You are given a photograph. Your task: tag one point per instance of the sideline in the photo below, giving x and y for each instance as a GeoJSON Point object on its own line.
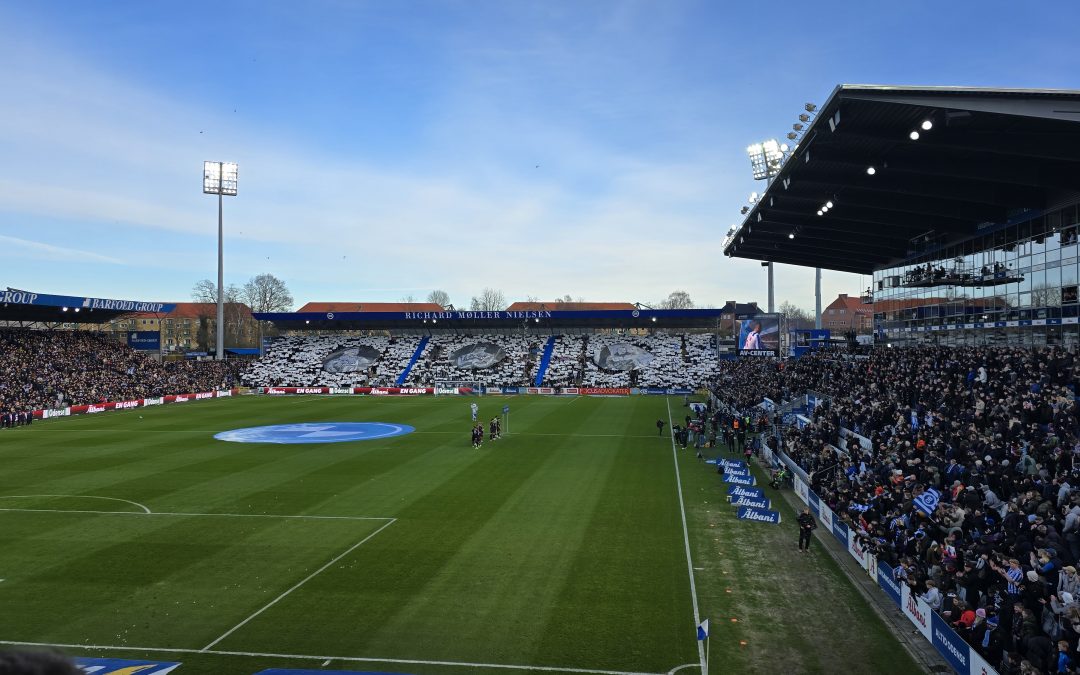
{"type": "Point", "coordinates": [686, 538]}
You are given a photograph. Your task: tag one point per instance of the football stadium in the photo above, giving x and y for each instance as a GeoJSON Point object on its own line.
{"type": "Point", "coordinates": [244, 484]}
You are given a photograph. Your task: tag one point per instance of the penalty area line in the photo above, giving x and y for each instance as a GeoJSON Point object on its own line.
{"type": "Point", "coordinates": [298, 585]}
{"type": "Point", "coordinates": [308, 657]}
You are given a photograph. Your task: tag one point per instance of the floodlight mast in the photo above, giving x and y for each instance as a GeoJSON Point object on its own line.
{"type": "Point", "coordinates": [212, 171]}
{"type": "Point", "coordinates": [766, 158]}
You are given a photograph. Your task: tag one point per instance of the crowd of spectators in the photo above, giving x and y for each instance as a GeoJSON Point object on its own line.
{"type": "Point", "coordinates": [42, 369]}
{"type": "Point", "coordinates": [995, 432]}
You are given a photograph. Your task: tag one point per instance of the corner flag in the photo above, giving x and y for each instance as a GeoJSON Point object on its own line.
{"type": "Point", "coordinates": [703, 630]}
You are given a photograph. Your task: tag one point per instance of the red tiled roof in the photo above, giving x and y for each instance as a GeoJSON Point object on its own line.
{"type": "Point", "coordinates": [568, 306]}
{"type": "Point", "coordinates": [321, 307]}
{"type": "Point", "coordinates": [856, 305]}
{"type": "Point", "coordinates": [188, 310]}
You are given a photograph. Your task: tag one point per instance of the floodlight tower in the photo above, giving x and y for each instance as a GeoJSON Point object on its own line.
{"type": "Point", "coordinates": [219, 178]}
{"type": "Point", "coordinates": [766, 158]}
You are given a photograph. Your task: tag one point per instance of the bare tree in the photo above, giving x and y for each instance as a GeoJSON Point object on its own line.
{"type": "Point", "coordinates": [489, 300]}
{"type": "Point", "coordinates": [239, 330]}
{"type": "Point", "coordinates": [1045, 295]}
{"type": "Point", "coordinates": [410, 298]}
{"type": "Point", "coordinates": [439, 297]}
{"type": "Point", "coordinates": [677, 300]}
{"type": "Point", "coordinates": [797, 317]}
{"type": "Point", "coordinates": [204, 291]}
{"type": "Point", "coordinates": [267, 293]}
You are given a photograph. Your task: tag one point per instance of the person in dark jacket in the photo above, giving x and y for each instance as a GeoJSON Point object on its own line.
{"type": "Point", "coordinates": [807, 525]}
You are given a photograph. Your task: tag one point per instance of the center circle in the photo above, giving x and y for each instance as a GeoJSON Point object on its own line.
{"type": "Point", "coordinates": [315, 432]}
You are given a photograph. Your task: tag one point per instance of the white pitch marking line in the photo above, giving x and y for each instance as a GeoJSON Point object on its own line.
{"type": "Point", "coordinates": [299, 584]}
{"type": "Point", "coordinates": [112, 499]}
{"type": "Point", "coordinates": [326, 663]}
{"type": "Point", "coordinates": [222, 515]}
{"type": "Point", "coordinates": [686, 538]}
{"type": "Point", "coordinates": [304, 657]}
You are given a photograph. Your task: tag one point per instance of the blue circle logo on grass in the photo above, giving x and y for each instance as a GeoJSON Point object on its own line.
{"type": "Point", "coordinates": [315, 432]}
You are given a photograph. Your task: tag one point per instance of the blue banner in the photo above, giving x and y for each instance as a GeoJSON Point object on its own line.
{"type": "Point", "coordinates": [642, 315]}
{"type": "Point", "coordinates": [749, 513]}
{"type": "Point", "coordinates": [949, 644]}
{"type": "Point", "coordinates": [144, 340]}
{"type": "Point", "coordinates": [125, 666]}
{"type": "Point", "coordinates": [736, 491]}
{"type": "Point", "coordinates": [16, 297]}
{"type": "Point", "coordinates": [885, 580]}
{"type": "Point", "coordinates": [753, 502]}
{"type": "Point", "coordinates": [748, 481]}
{"type": "Point", "coordinates": [511, 390]}
{"type": "Point", "coordinates": [734, 463]}
{"type": "Point", "coordinates": [732, 471]}
{"type": "Point", "coordinates": [815, 505]}
{"type": "Point", "coordinates": [839, 531]}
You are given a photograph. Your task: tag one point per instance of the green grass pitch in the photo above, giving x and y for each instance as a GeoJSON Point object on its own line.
{"type": "Point", "coordinates": [559, 548]}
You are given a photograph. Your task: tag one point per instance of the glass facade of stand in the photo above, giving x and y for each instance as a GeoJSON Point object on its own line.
{"type": "Point", "coordinates": [1013, 284]}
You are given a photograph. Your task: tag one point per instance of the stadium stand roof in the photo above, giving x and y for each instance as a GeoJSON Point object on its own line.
{"type": "Point", "coordinates": [191, 310]}
{"type": "Point", "coordinates": [504, 320]}
{"type": "Point", "coordinates": [323, 307]}
{"type": "Point", "coordinates": [990, 156]}
{"type": "Point", "coordinates": [17, 305]}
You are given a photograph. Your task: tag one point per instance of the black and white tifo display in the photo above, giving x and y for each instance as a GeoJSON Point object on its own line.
{"type": "Point", "coordinates": [351, 359]}
{"type": "Point", "coordinates": [622, 356]}
{"type": "Point", "coordinates": [477, 356]}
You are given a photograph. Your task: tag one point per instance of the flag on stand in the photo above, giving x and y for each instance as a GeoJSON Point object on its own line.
{"type": "Point", "coordinates": [703, 630]}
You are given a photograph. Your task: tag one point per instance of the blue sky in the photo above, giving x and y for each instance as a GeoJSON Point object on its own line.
{"type": "Point", "coordinates": [389, 148]}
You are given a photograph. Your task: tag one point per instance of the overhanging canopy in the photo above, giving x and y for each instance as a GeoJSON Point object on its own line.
{"type": "Point", "coordinates": [989, 156]}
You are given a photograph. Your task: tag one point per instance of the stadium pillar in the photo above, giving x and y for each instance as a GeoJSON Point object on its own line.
{"type": "Point", "coordinates": [817, 298]}
{"type": "Point", "coordinates": [772, 295]}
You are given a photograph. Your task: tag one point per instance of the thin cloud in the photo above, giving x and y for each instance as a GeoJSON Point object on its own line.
{"type": "Point", "coordinates": [42, 251]}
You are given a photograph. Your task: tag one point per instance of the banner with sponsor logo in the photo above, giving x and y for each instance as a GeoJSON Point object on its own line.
{"type": "Point", "coordinates": [374, 391]}
{"type": "Point", "coordinates": [144, 340]}
{"type": "Point", "coordinates": [748, 481]}
{"type": "Point", "coordinates": [856, 549]}
{"type": "Point", "coordinates": [94, 408]}
{"type": "Point", "coordinates": [917, 611]}
{"type": "Point", "coordinates": [603, 391]}
{"type": "Point", "coordinates": [825, 515]}
{"type": "Point", "coordinates": [802, 490]}
{"type": "Point", "coordinates": [736, 491]}
{"type": "Point", "coordinates": [760, 515]}
{"type": "Point", "coordinates": [124, 666]}
{"type": "Point", "coordinates": [570, 390]}
{"type": "Point", "coordinates": [887, 583]}
{"type": "Point", "coordinates": [493, 390]}
{"type": "Point", "coordinates": [511, 390]}
{"type": "Point", "coordinates": [753, 502]}
{"type": "Point", "coordinates": [732, 463]}
{"type": "Point", "coordinates": [547, 391]}
{"type": "Point", "coordinates": [950, 645]}
{"type": "Point", "coordinates": [839, 530]}
{"type": "Point", "coordinates": [733, 471]}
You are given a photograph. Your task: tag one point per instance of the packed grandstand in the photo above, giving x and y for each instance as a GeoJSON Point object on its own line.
{"type": "Point", "coordinates": [994, 431]}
